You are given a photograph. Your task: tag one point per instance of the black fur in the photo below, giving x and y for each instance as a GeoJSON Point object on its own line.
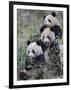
{"type": "Point", "coordinates": [54, 14]}
{"type": "Point", "coordinates": [38, 43]}
{"type": "Point", "coordinates": [43, 27]}
{"type": "Point", "coordinates": [44, 17]}
{"type": "Point", "coordinates": [54, 48]}
{"type": "Point", "coordinates": [57, 30]}
{"type": "Point", "coordinates": [40, 58]}
{"type": "Point", "coordinates": [43, 46]}
{"type": "Point", "coordinates": [28, 42]}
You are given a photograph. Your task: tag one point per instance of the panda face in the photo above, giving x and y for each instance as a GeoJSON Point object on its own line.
{"type": "Point", "coordinates": [34, 50]}
{"type": "Point", "coordinates": [47, 36]}
{"type": "Point", "coordinates": [50, 20]}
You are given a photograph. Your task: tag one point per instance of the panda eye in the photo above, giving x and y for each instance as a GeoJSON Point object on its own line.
{"type": "Point", "coordinates": [48, 37]}
{"type": "Point", "coordinates": [43, 37]}
{"type": "Point", "coordinates": [49, 20]}
{"type": "Point", "coordinates": [33, 51]}
{"type": "Point", "coordinates": [28, 52]}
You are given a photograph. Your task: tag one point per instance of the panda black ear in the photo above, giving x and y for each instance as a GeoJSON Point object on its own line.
{"type": "Point", "coordinates": [42, 28]}
{"type": "Point", "coordinates": [28, 42]}
{"type": "Point", "coordinates": [38, 42]}
{"type": "Point", "coordinates": [44, 17]}
{"type": "Point", "coordinates": [54, 14]}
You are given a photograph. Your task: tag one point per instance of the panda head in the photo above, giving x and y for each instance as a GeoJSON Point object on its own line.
{"type": "Point", "coordinates": [47, 36]}
{"type": "Point", "coordinates": [50, 19]}
{"type": "Point", "coordinates": [33, 49]}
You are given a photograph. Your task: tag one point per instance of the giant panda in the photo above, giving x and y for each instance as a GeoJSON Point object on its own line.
{"type": "Point", "coordinates": [35, 58]}
{"type": "Point", "coordinates": [49, 38]}
{"type": "Point", "coordinates": [52, 21]}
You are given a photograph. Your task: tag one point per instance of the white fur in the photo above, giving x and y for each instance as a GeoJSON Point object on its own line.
{"type": "Point", "coordinates": [36, 48]}
{"type": "Point", "coordinates": [54, 21]}
{"type": "Point", "coordinates": [47, 32]}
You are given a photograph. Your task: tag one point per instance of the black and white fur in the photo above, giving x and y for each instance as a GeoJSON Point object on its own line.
{"type": "Point", "coordinates": [49, 38]}
{"type": "Point", "coordinates": [35, 51]}
{"type": "Point", "coordinates": [35, 58]}
{"type": "Point", "coordinates": [52, 21]}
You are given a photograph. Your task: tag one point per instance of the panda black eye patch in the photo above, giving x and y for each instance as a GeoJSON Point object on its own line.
{"type": "Point", "coordinates": [33, 51]}
{"type": "Point", "coordinates": [49, 20]}
{"type": "Point", "coordinates": [48, 37]}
